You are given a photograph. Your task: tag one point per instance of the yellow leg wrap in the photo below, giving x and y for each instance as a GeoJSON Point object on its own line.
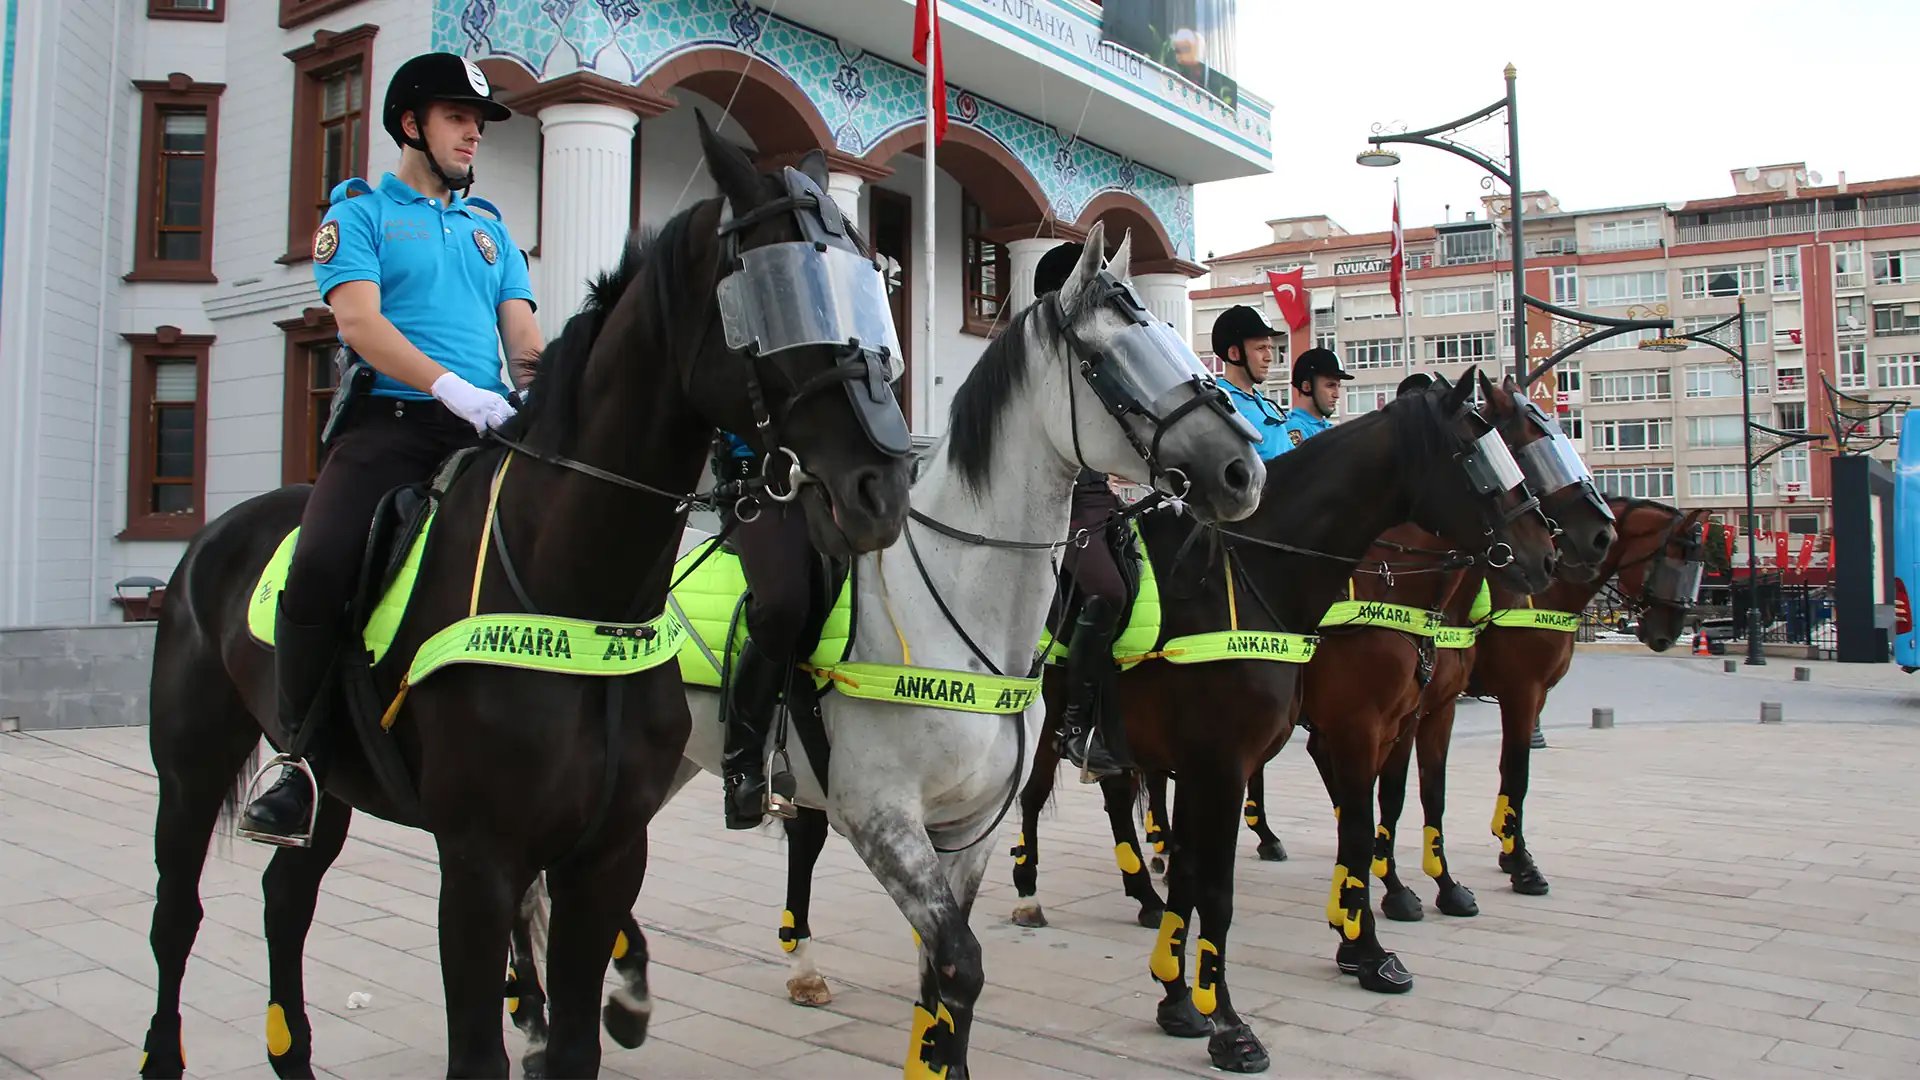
{"type": "Point", "coordinates": [916, 937]}
{"type": "Point", "coordinates": [1502, 822]}
{"type": "Point", "coordinates": [621, 945]}
{"type": "Point", "coordinates": [787, 940]}
{"type": "Point", "coordinates": [279, 1038]}
{"type": "Point", "coordinates": [1205, 998]}
{"type": "Point", "coordinates": [1430, 859]}
{"type": "Point", "coordinates": [926, 1033]}
{"type": "Point", "coordinates": [1159, 846]}
{"type": "Point", "coordinates": [1252, 811]}
{"type": "Point", "coordinates": [1021, 858]}
{"type": "Point", "coordinates": [1380, 862]}
{"type": "Point", "coordinates": [1129, 862]}
{"type": "Point", "coordinates": [1165, 964]}
{"type": "Point", "coordinates": [1345, 920]}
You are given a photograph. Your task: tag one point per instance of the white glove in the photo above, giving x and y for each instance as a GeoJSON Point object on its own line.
{"type": "Point", "coordinates": [481, 408]}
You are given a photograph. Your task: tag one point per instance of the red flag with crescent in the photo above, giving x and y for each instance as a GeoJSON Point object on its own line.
{"type": "Point", "coordinates": [1290, 292]}
{"type": "Point", "coordinates": [1397, 269]}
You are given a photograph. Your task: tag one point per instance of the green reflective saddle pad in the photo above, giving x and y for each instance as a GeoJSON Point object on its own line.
{"type": "Point", "coordinates": [381, 625]}
{"type": "Point", "coordinates": [706, 600]}
{"type": "Point", "coordinates": [1142, 629]}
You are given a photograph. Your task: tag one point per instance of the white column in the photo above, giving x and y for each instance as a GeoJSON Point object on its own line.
{"type": "Point", "coordinates": [845, 189]}
{"type": "Point", "coordinates": [1025, 256]}
{"type": "Point", "coordinates": [1166, 297]}
{"type": "Point", "coordinates": [586, 199]}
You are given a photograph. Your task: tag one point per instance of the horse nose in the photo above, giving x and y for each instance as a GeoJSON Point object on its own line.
{"type": "Point", "coordinates": [1602, 540]}
{"type": "Point", "coordinates": [1236, 478]}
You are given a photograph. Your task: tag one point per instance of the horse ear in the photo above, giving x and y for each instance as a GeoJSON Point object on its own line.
{"type": "Point", "coordinates": [1121, 266]}
{"type": "Point", "coordinates": [1486, 384]}
{"type": "Point", "coordinates": [1084, 270]}
{"type": "Point", "coordinates": [1462, 390]}
{"type": "Point", "coordinates": [814, 165]}
{"type": "Point", "coordinates": [730, 167]}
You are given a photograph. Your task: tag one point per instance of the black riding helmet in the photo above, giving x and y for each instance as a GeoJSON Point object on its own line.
{"type": "Point", "coordinates": [1317, 362]}
{"type": "Point", "coordinates": [431, 77]}
{"type": "Point", "coordinates": [1234, 326]}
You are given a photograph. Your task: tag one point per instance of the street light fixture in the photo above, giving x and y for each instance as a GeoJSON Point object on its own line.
{"type": "Point", "coordinates": [1377, 157]}
{"type": "Point", "coordinates": [1756, 657]}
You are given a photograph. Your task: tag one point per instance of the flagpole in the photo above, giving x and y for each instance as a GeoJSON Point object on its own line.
{"type": "Point", "coordinates": [927, 222]}
{"type": "Point", "coordinates": [1406, 330]}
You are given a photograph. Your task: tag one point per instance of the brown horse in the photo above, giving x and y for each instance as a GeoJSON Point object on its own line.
{"type": "Point", "coordinates": [619, 421]}
{"type": "Point", "coordinates": [1325, 503]}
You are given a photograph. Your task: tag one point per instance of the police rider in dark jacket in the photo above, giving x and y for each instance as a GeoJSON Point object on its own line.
{"type": "Point", "coordinates": [425, 289]}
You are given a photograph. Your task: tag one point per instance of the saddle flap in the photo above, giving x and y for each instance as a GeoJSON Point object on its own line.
{"type": "Point", "coordinates": [396, 523]}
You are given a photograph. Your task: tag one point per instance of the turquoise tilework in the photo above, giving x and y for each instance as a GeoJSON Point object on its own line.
{"type": "Point", "coordinates": [863, 98]}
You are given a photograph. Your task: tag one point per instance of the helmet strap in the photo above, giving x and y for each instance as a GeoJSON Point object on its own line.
{"type": "Point", "coordinates": [433, 165]}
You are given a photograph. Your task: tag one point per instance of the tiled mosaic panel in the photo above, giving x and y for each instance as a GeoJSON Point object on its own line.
{"type": "Point", "coordinates": [863, 98]}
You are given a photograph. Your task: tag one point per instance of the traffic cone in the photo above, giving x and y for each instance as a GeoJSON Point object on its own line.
{"type": "Point", "coordinates": [1700, 644]}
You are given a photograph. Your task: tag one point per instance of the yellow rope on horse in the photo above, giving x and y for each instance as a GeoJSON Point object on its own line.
{"type": "Point", "coordinates": [880, 567]}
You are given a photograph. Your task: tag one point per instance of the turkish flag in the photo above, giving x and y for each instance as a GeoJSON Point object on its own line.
{"type": "Point", "coordinates": [1290, 292]}
{"type": "Point", "coordinates": [1780, 550]}
{"type": "Point", "coordinates": [1397, 268]}
{"type": "Point", "coordinates": [1805, 560]}
{"type": "Point", "coordinates": [926, 38]}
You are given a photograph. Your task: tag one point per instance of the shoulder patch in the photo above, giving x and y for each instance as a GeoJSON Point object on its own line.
{"type": "Point", "coordinates": [489, 251]}
{"type": "Point", "coordinates": [326, 241]}
{"type": "Point", "coordinates": [1294, 434]}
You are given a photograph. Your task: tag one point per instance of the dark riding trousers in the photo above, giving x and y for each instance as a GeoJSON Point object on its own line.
{"type": "Point", "coordinates": [778, 559]}
{"type": "Point", "coordinates": [386, 443]}
{"type": "Point", "coordinates": [1092, 567]}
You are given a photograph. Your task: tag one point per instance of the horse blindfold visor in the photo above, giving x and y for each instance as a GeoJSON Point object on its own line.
{"type": "Point", "coordinates": [1551, 463]}
{"type": "Point", "coordinates": [1145, 367]}
{"type": "Point", "coordinates": [1490, 465]}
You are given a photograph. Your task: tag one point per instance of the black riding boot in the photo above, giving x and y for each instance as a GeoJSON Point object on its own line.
{"type": "Point", "coordinates": [751, 696]}
{"type": "Point", "coordinates": [302, 658]}
{"type": "Point", "coordinates": [1093, 731]}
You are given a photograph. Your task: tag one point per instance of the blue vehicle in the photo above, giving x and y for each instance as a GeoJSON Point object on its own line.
{"type": "Point", "coordinates": [1906, 542]}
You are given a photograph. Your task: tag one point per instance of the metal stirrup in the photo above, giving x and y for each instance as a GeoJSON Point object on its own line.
{"type": "Point", "coordinates": [313, 814]}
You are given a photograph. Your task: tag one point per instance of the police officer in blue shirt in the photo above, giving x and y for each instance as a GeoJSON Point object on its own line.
{"type": "Point", "coordinates": [1316, 396]}
{"type": "Point", "coordinates": [425, 287]}
{"type": "Point", "coordinates": [1245, 343]}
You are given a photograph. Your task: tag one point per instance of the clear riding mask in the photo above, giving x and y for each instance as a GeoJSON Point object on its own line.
{"type": "Point", "coordinates": [1552, 463]}
{"type": "Point", "coordinates": [792, 295]}
{"type": "Point", "coordinates": [1146, 367]}
{"type": "Point", "coordinates": [1490, 465]}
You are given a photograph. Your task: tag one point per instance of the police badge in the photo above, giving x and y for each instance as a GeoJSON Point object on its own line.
{"type": "Point", "coordinates": [1296, 437]}
{"type": "Point", "coordinates": [483, 240]}
{"type": "Point", "coordinates": [326, 241]}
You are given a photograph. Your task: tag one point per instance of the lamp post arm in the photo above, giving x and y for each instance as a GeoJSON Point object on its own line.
{"type": "Point", "coordinates": [1613, 328]}
{"type": "Point", "coordinates": [1790, 439]}
{"type": "Point", "coordinates": [1419, 138]}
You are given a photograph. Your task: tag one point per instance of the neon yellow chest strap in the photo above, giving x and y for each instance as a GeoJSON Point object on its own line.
{"type": "Point", "coordinates": [1536, 619]}
{"type": "Point", "coordinates": [964, 691]}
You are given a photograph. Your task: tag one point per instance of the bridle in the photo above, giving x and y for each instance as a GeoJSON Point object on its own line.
{"type": "Point", "coordinates": [1670, 582]}
{"type": "Point", "coordinates": [1477, 461]}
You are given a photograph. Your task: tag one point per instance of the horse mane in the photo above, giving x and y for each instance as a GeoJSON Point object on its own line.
{"type": "Point", "coordinates": [1633, 504]}
{"type": "Point", "coordinates": [553, 400]}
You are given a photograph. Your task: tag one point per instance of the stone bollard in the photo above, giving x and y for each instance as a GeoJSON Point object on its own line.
{"type": "Point", "coordinates": [1730, 666]}
{"type": "Point", "coordinates": [1803, 674]}
{"type": "Point", "coordinates": [1603, 718]}
{"type": "Point", "coordinates": [1769, 712]}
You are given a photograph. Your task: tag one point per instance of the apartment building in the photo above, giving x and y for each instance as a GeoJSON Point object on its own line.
{"type": "Point", "coordinates": [1830, 274]}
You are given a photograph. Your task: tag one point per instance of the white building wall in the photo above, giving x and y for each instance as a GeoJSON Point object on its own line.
{"type": "Point", "coordinates": [954, 350]}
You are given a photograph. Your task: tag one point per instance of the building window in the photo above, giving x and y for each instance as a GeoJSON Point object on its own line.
{"type": "Point", "coordinates": [1899, 372]}
{"type": "Point", "coordinates": [1794, 467]}
{"type": "Point", "coordinates": [1606, 387]}
{"type": "Point", "coordinates": [1625, 235]}
{"type": "Point", "coordinates": [1851, 365]}
{"type": "Point", "coordinates": [167, 457]}
{"type": "Point", "coordinates": [1642, 482]}
{"type": "Point", "coordinates": [1619, 290]}
{"type": "Point", "coordinates": [985, 270]}
{"type": "Point", "coordinates": [1324, 336]}
{"type": "Point", "coordinates": [1573, 422]}
{"type": "Point", "coordinates": [1723, 380]}
{"type": "Point", "coordinates": [329, 127]}
{"type": "Point", "coordinates": [1896, 267]}
{"type": "Point", "coordinates": [1849, 265]}
{"type": "Point", "coordinates": [1629, 340]}
{"type": "Point", "coordinates": [1790, 416]}
{"type": "Point", "coordinates": [312, 374]}
{"type": "Point", "coordinates": [1803, 524]}
{"type": "Point", "coordinates": [295, 12]}
{"type": "Point", "coordinates": [1731, 279]}
{"type": "Point", "coordinates": [179, 125]}
{"type": "Point", "coordinates": [1757, 323]}
{"type": "Point", "coordinates": [1566, 285]}
{"type": "Point", "coordinates": [1708, 432]}
{"type": "Point", "coordinates": [1718, 481]}
{"type": "Point", "coordinates": [1567, 376]}
{"type": "Point", "coordinates": [1626, 436]}
{"type": "Point", "coordinates": [1471, 246]}
{"type": "Point", "coordinates": [1786, 270]}
{"type": "Point", "coordinates": [1894, 320]}
{"type": "Point", "coordinates": [1366, 399]}
{"type": "Point", "coordinates": [1359, 307]}
{"type": "Point", "coordinates": [1790, 379]}
{"type": "Point", "coordinates": [1462, 301]}
{"type": "Point", "coordinates": [195, 10]}
{"type": "Point", "coordinates": [1383, 353]}
{"type": "Point", "coordinates": [1850, 316]}
{"type": "Point", "coordinates": [1460, 348]}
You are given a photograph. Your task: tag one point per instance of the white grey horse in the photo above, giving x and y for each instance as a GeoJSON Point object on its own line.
{"type": "Point", "coordinates": [915, 788]}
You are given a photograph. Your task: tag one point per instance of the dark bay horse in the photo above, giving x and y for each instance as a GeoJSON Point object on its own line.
{"type": "Point", "coordinates": [619, 420]}
{"type": "Point", "coordinates": [1278, 573]}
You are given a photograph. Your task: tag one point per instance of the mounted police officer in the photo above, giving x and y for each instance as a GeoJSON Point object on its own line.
{"type": "Point", "coordinates": [1245, 344]}
{"type": "Point", "coordinates": [1093, 727]}
{"type": "Point", "coordinates": [425, 288]}
{"type": "Point", "coordinates": [1316, 395]}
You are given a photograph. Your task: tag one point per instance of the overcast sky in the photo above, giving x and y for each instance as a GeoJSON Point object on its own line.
{"type": "Point", "coordinates": [1624, 102]}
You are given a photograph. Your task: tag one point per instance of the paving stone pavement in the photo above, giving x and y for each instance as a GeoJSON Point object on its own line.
{"type": "Point", "coordinates": [1730, 901]}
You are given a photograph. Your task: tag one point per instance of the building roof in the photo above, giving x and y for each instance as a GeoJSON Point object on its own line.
{"type": "Point", "coordinates": [1761, 198]}
{"type": "Point", "coordinates": [1326, 243]}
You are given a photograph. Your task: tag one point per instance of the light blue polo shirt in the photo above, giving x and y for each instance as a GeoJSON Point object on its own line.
{"type": "Point", "coordinates": [1300, 426]}
{"type": "Point", "coordinates": [443, 270]}
{"type": "Point", "coordinates": [1266, 418]}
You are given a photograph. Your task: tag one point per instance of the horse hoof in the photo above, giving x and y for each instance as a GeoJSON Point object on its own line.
{"type": "Point", "coordinates": [1181, 1020]}
{"type": "Point", "coordinates": [626, 1018]}
{"type": "Point", "coordinates": [534, 1065]}
{"type": "Point", "coordinates": [1530, 882]}
{"type": "Point", "coordinates": [1237, 1050]}
{"type": "Point", "coordinates": [1271, 851]}
{"type": "Point", "coordinates": [1385, 975]}
{"type": "Point", "coordinates": [809, 990]}
{"type": "Point", "coordinates": [1457, 900]}
{"type": "Point", "coordinates": [1347, 958]}
{"type": "Point", "coordinates": [1402, 905]}
{"type": "Point", "coordinates": [1158, 864]}
{"type": "Point", "coordinates": [1151, 917]}
{"type": "Point", "coordinates": [1027, 913]}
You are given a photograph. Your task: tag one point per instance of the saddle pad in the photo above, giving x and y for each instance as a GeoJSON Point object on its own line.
{"type": "Point", "coordinates": [1142, 630]}
{"type": "Point", "coordinates": [706, 601]}
{"type": "Point", "coordinates": [381, 625]}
